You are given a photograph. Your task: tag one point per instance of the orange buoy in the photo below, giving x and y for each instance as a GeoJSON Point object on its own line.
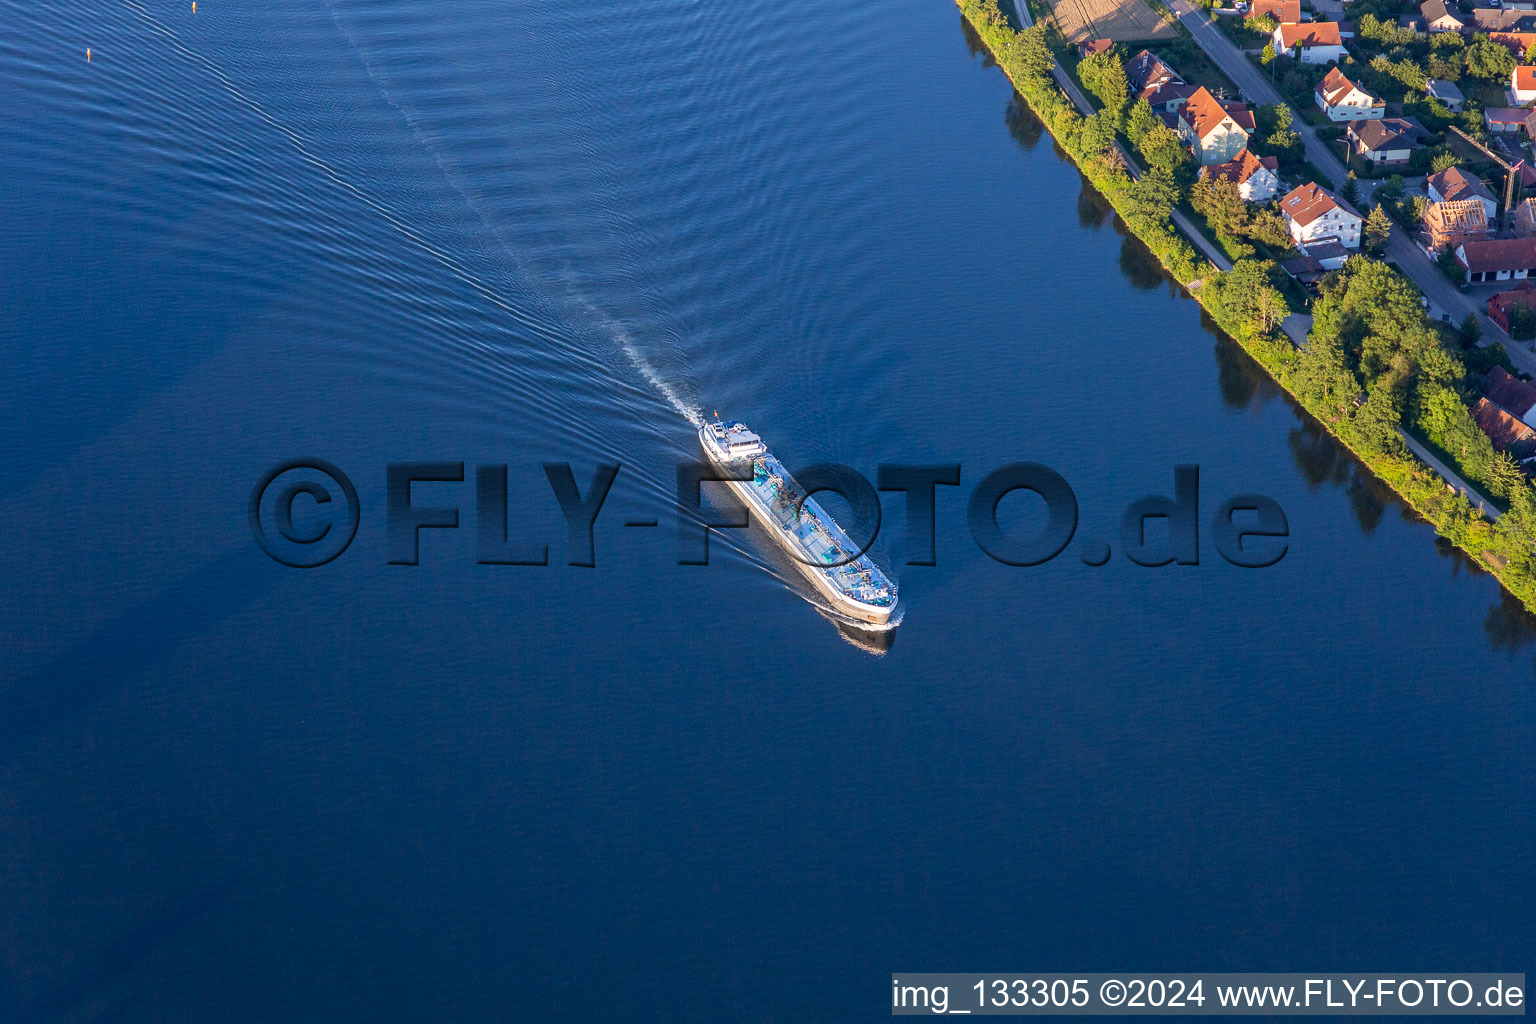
{"type": "Point", "coordinates": [87, 54]}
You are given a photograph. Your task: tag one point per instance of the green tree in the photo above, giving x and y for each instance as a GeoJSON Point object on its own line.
{"type": "Point", "coordinates": [1451, 267]}
{"type": "Point", "coordinates": [1488, 60]}
{"type": "Point", "coordinates": [1029, 55]}
{"type": "Point", "coordinates": [1444, 159]}
{"type": "Point", "coordinates": [1248, 296]}
{"type": "Point", "coordinates": [1163, 148]}
{"type": "Point", "coordinates": [1351, 190]}
{"type": "Point", "coordinates": [1267, 55]}
{"type": "Point", "coordinates": [1522, 323]}
{"type": "Point", "coordinates": [1471, 330]}
{"type": "Point", "coordinates": [1269, 227]}
{"type": "Point", "coordinates": [1222, 205]}
{"type": "Point", "coordinates": [1104, 75]}
{"type": "Point", "coordinates": [1097, 134]}
{"type": "Point", "coordinates": [1377, 227]}
{"type": "Point", "coordinates": [1284, 138]}
{"type": "Point", "coordinates": [1139, 121]}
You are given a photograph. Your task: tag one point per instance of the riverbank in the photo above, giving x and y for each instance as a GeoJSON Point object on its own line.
{"type": "Point", "coordinates": [1366, 426]}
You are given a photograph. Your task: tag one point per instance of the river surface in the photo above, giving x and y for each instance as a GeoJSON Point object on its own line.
{"type": "Point", "coordinates": [527, 232]}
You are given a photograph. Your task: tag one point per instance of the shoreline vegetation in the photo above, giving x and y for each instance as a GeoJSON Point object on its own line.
{"type": "Point", "coordinates": [1374, 365]}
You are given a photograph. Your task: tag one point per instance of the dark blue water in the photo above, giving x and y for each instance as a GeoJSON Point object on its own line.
{"type": "Point", "coordinates": [527, 232]}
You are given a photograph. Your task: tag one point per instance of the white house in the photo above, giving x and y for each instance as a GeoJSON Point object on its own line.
{"type": "Point", "coordinates": [1216, 131]}
{"type": "Point", "coordinates": [1256, 176]}
{"type": "Point", "coordinates": [1522, 85]}
{"type": "Point", "coordinates": [1343, 100]}
{"type": "Point", "coordinates": [1498, 259]}
{"type": "Point", "coordinates": [1316, 215]}
{"type": "Point", "coordinates": [1313, 42]}
{"type": "Point", "coordinates": [1453, 183]}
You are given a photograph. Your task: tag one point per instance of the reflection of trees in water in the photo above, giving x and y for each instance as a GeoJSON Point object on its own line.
{"type": "Point", "coordinates": [1508, 625]}
{"type": "Point", "coordinates": [1023, 125]}
{"type": "Point", "coordinates": [1368, 497]}
{"type": "Point", "coordinates": [1138, 264]}
{"type": "Point", "coordinates": [1317, 455]}
{"type": "Point", "coordinates": [1322, 460]}
{"type": "Point", "coordinates": [974, 43]}
{"type": "Point", "coordinates": [1092, 210]}
{"type": "Point", "coordinates": [1236, 376]}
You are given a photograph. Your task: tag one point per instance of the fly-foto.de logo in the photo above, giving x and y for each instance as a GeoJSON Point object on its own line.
{"type": "Point", "coordinates": [305, 512]}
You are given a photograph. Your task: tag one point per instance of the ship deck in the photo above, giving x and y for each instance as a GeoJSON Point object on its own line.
{"type": "Point", "coordinates": [819, 537]}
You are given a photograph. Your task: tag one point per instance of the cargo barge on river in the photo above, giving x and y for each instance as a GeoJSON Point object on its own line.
{"type": "Point", "coordinates": [850, 581]}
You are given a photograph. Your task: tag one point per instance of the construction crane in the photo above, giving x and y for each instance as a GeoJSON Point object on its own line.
{"type": "Point", "coordinates": [1510, 172]}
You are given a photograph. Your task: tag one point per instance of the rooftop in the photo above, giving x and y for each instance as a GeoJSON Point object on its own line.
{"type": "Point", "coordinates": [1504, 430]}
{"type": "Point", "coordinates": [1498, 254]}
{"type": "Point", "coordinates": [1305, 203]}
{"type": "Point", "coordinates": [1311, 33]}
{"type": "Point", "coordinates": [1511, 392]}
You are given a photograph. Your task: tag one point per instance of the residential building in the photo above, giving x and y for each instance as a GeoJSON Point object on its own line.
{"type": "Point", "coordinates": [1313, 42]}
{"type": "Point", "coordinates": [1449, 224]}
{"type": "Point", "coordinates": [1384, 143]}
{"type": "Point", "coordinates": [1216, 131]}
{"type": "Point", "coordinates": [1154, 81]}
{"type": "Point", "coordinates": [1505, 119]}
{"type": "Point", "coordinates": [1507, 433]}
{"type": "Point", "coordinates": [1281, 10]}
{"type": "Point", "coordinates": [1530, 127]}
{"type": "Point", "coordinates": [1342, 100]}
{"type": "Point", "coordinates": [1256, 176]}
{"type": "Point", "coordinates": [1518, 42]}
{"type": "Point", "coordinates": [1346, 30]}
{"type": "Point", "coordinates": [1441, 17]}
{"type": "Point", "coordinates": [1445, 92]}
{"type": "Point", "coordinates": [1454, 183]}
{"type": "Point", "coordinates": [1497, 259]}
{"type": "Point", "coordinates": [1525, 219]}
{"type": "Point", "coordinates": [1090, 47]}
{"type": "Point", "coordinates": [1505, 390]}
{"type": "Point", "coordinates": [1522, 85]}
{"type": "Point", "coordinates": [1503, 20]}
{"type": "Point", "coordinates": [1314, 214]}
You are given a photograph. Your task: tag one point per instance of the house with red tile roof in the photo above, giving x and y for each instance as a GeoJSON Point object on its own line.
{"type": "Point", "coordinates": [1311, 42]}
{"type": "Point", "coordinates": [1257, 177]}
{"type": "Point", "coordinates": [1314, 215]}
{"type": "Point", "coordinates": [1343, 100]}
{"type": "Point", "coordinates": [1518, 42]}
{"type": "Point", "coordinates": [1215, 130]}
{"type": "Point", "coordinates": [1522, 84]}
{"type": "Point", "coordinates": [1498, 259]}
{"type": "Point", "coordinates": [1281, 10]}
{"type": "Point", "coordinates": [1507, 433]}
